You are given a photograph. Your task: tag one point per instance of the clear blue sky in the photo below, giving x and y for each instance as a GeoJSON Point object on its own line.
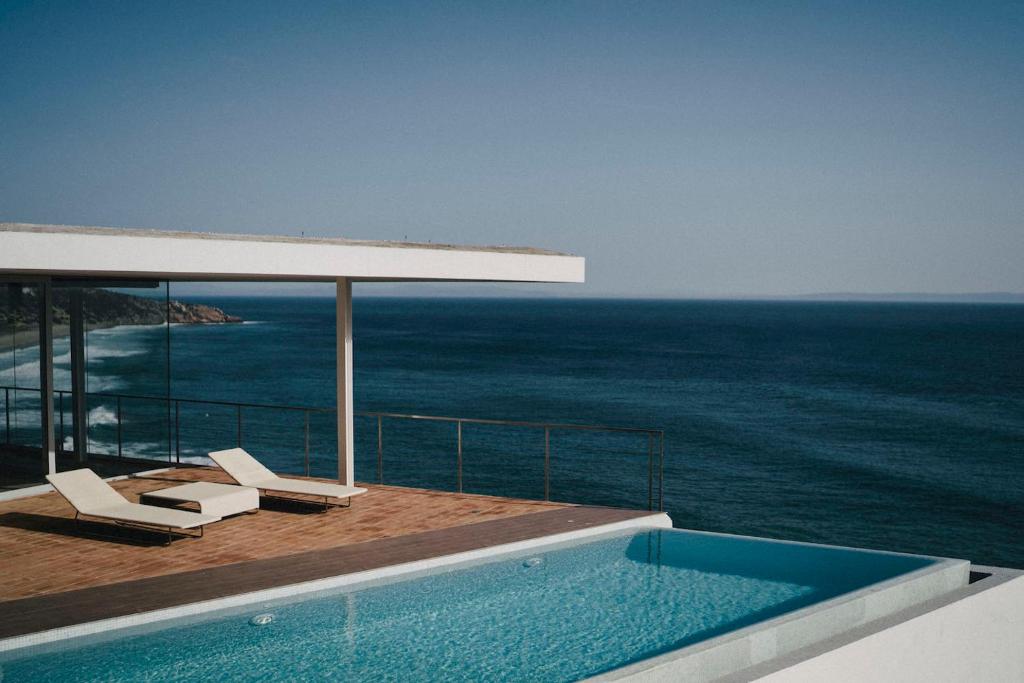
{"type": "Point", "coordinates": [685, 148]}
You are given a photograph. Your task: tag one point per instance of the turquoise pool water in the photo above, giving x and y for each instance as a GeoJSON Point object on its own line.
{"type": "Point", "coordinates": [559, 615]}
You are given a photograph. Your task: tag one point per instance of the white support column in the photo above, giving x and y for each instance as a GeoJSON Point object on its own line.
{"type": "Point", "coordinates": [346, 445]}
{"type": "Point", "coordinates": [49, 446]}
{"type": "Point", "coordinates": [79, 409]}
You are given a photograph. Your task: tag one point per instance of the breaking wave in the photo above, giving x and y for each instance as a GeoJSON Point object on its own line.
{"type": "Point", "coordinates": [102, 415]}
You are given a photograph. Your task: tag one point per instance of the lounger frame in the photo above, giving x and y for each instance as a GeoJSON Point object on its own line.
{"type": "Point", "coordinates": [325, 506]}
{"type": "Point", "coordinates": [246, 470]}
{"type": "Point", "coordinates": [171, 531]}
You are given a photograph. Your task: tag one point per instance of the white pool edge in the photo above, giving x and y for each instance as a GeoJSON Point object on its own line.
{"type": "Point", "coordinates": [743, 648]}
{"type": "Point", "coordinates": [653, 521]}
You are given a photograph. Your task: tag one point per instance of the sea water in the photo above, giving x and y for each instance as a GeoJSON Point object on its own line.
{"type": "Point", "coordinates": [896, 426]}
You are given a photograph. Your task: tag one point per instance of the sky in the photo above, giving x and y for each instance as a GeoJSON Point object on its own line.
{"type": "Point", "coordinates": [684, 148]}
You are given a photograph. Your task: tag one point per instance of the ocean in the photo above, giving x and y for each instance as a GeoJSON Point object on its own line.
{"type": "Point", "coordinates": [896, 426]}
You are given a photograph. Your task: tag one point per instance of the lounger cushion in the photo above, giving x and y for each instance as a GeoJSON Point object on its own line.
{"type": "Point", "coordinates": [85, 490]}
{"type": "Point", "coordinates": [312, 488]}
{"type": "Point", "coordinates": [248, 471]}
{"type": "Point", "coordinates": [92, 496]}
{"type": "Point", "coordinates": [154, 516]}
{"type": "Point", "coordinates": [242, 467]}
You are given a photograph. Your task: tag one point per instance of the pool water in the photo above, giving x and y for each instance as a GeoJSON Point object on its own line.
{"type": "Point", "coordinates": [560, 615]}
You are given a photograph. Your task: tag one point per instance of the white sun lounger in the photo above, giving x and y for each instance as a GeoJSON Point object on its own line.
{"type": "Point", "coordinates": [93, 497]}
{"type": "Point", "coordinates": [248, 471]}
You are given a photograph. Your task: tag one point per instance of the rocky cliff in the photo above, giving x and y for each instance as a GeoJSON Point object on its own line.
{"type": "Point", "coordinates": [104, 308]}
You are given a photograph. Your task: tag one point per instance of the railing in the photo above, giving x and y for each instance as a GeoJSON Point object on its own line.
{"type": "Point", "coordinates": [655, 446]}
{"type": "Point", "coordinates": [654, 439]}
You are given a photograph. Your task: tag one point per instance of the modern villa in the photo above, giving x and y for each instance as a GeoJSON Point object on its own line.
{"type": "Point", "coordinates": [128, 566]}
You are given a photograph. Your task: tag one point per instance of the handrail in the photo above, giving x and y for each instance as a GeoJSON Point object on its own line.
{"type": "Point", "coordinates": [655, 437]}
{"type": "Point", "coordinates": [513, 423]}
{"type": "Point", "coordinates": [233, 404]}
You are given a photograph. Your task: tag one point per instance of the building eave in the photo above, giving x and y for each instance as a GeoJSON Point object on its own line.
{"type": "Point", "coordinates": [74, 251]}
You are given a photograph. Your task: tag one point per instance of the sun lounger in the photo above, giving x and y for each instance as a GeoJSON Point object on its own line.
{"type": "Point", "coordinates": [93, 497]}
{"type": "Point", "coordinates": [248, 471]}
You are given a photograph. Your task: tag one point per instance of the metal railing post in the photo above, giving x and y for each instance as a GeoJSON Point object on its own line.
{"type": "Point", "coordinates": [7, 409]}
{"type": "Point", "coordinates": [306, 414]}
{"type": "Point", "coordinates": [458, 474]}
{"type": "Point", "coordinates": [380, 449]}
{"type": "Point", "coordinates": [661, 475]}
{"type": "Point", "coordinates": [177, 432]}
{"type": "Point", "coordinates": [650, 470]}
{"type": "Point", "coordinates": [547, 463]}
{"type": "Point", "coordinates": [239, 411]}
{"type": "Point", "coordinates": [60, 401]}
{"type": "Point", "coordinates": [119, 427]}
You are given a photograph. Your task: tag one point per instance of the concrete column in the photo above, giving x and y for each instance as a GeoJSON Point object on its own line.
{"type": "Point", "coordinates": [46, 376]}
{"type": "Point", "coordinates": [346, 445]}
{"type": "Point", "coordinates": [79, 410]}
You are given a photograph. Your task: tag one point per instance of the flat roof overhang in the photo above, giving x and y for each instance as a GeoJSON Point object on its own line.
{"type": "Point", "coordinates": [73, 251]}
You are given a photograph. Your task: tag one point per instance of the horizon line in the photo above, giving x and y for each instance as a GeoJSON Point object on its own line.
{"type": "Point", "coordinates": [854, 297]}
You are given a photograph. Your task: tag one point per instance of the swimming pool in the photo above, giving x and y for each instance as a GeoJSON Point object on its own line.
{"type": "Point", "coordinates": [559, 613]}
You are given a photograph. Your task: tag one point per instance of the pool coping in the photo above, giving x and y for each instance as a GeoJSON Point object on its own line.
{"type": "Point", "coordinates": [599, 525]}
{"type": "Point", "coordinates": [730, 653]}
{"type": "Point", "coordinates": [988, 578]}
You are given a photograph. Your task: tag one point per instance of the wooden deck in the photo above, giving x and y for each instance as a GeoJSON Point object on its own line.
{"type": "Point", "coordinates": [53, 575]}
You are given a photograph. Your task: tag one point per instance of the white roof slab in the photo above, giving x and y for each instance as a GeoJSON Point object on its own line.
{"type": "Point", "coordinates": [75, 251]}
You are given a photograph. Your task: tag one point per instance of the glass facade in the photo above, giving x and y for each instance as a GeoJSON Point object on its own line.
{"type": "Point", "coordinates": [102, 333]}
{"type": "Point", "coordinates": [142, 380]}
{"type": "Point", "coordinates": [21, 463]}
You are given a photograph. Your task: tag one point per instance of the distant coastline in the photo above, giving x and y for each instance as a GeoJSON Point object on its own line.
{"type": "Point", "coordinates": [103, 310]}
{"type": "Point", "coordinates": [917, 297]}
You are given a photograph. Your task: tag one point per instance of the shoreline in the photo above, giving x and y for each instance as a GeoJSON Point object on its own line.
{"type": "Point", "coordinates": [24, 339]}
{"type": "Point", "coordinates": [29, 338]}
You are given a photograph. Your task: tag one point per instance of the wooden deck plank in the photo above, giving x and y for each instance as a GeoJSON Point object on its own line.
{"type": "Point", "coordinates": [42, 550]}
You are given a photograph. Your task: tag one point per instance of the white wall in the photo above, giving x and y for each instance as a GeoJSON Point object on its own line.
{"type": "Point", "coordinates": [979, 638]}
